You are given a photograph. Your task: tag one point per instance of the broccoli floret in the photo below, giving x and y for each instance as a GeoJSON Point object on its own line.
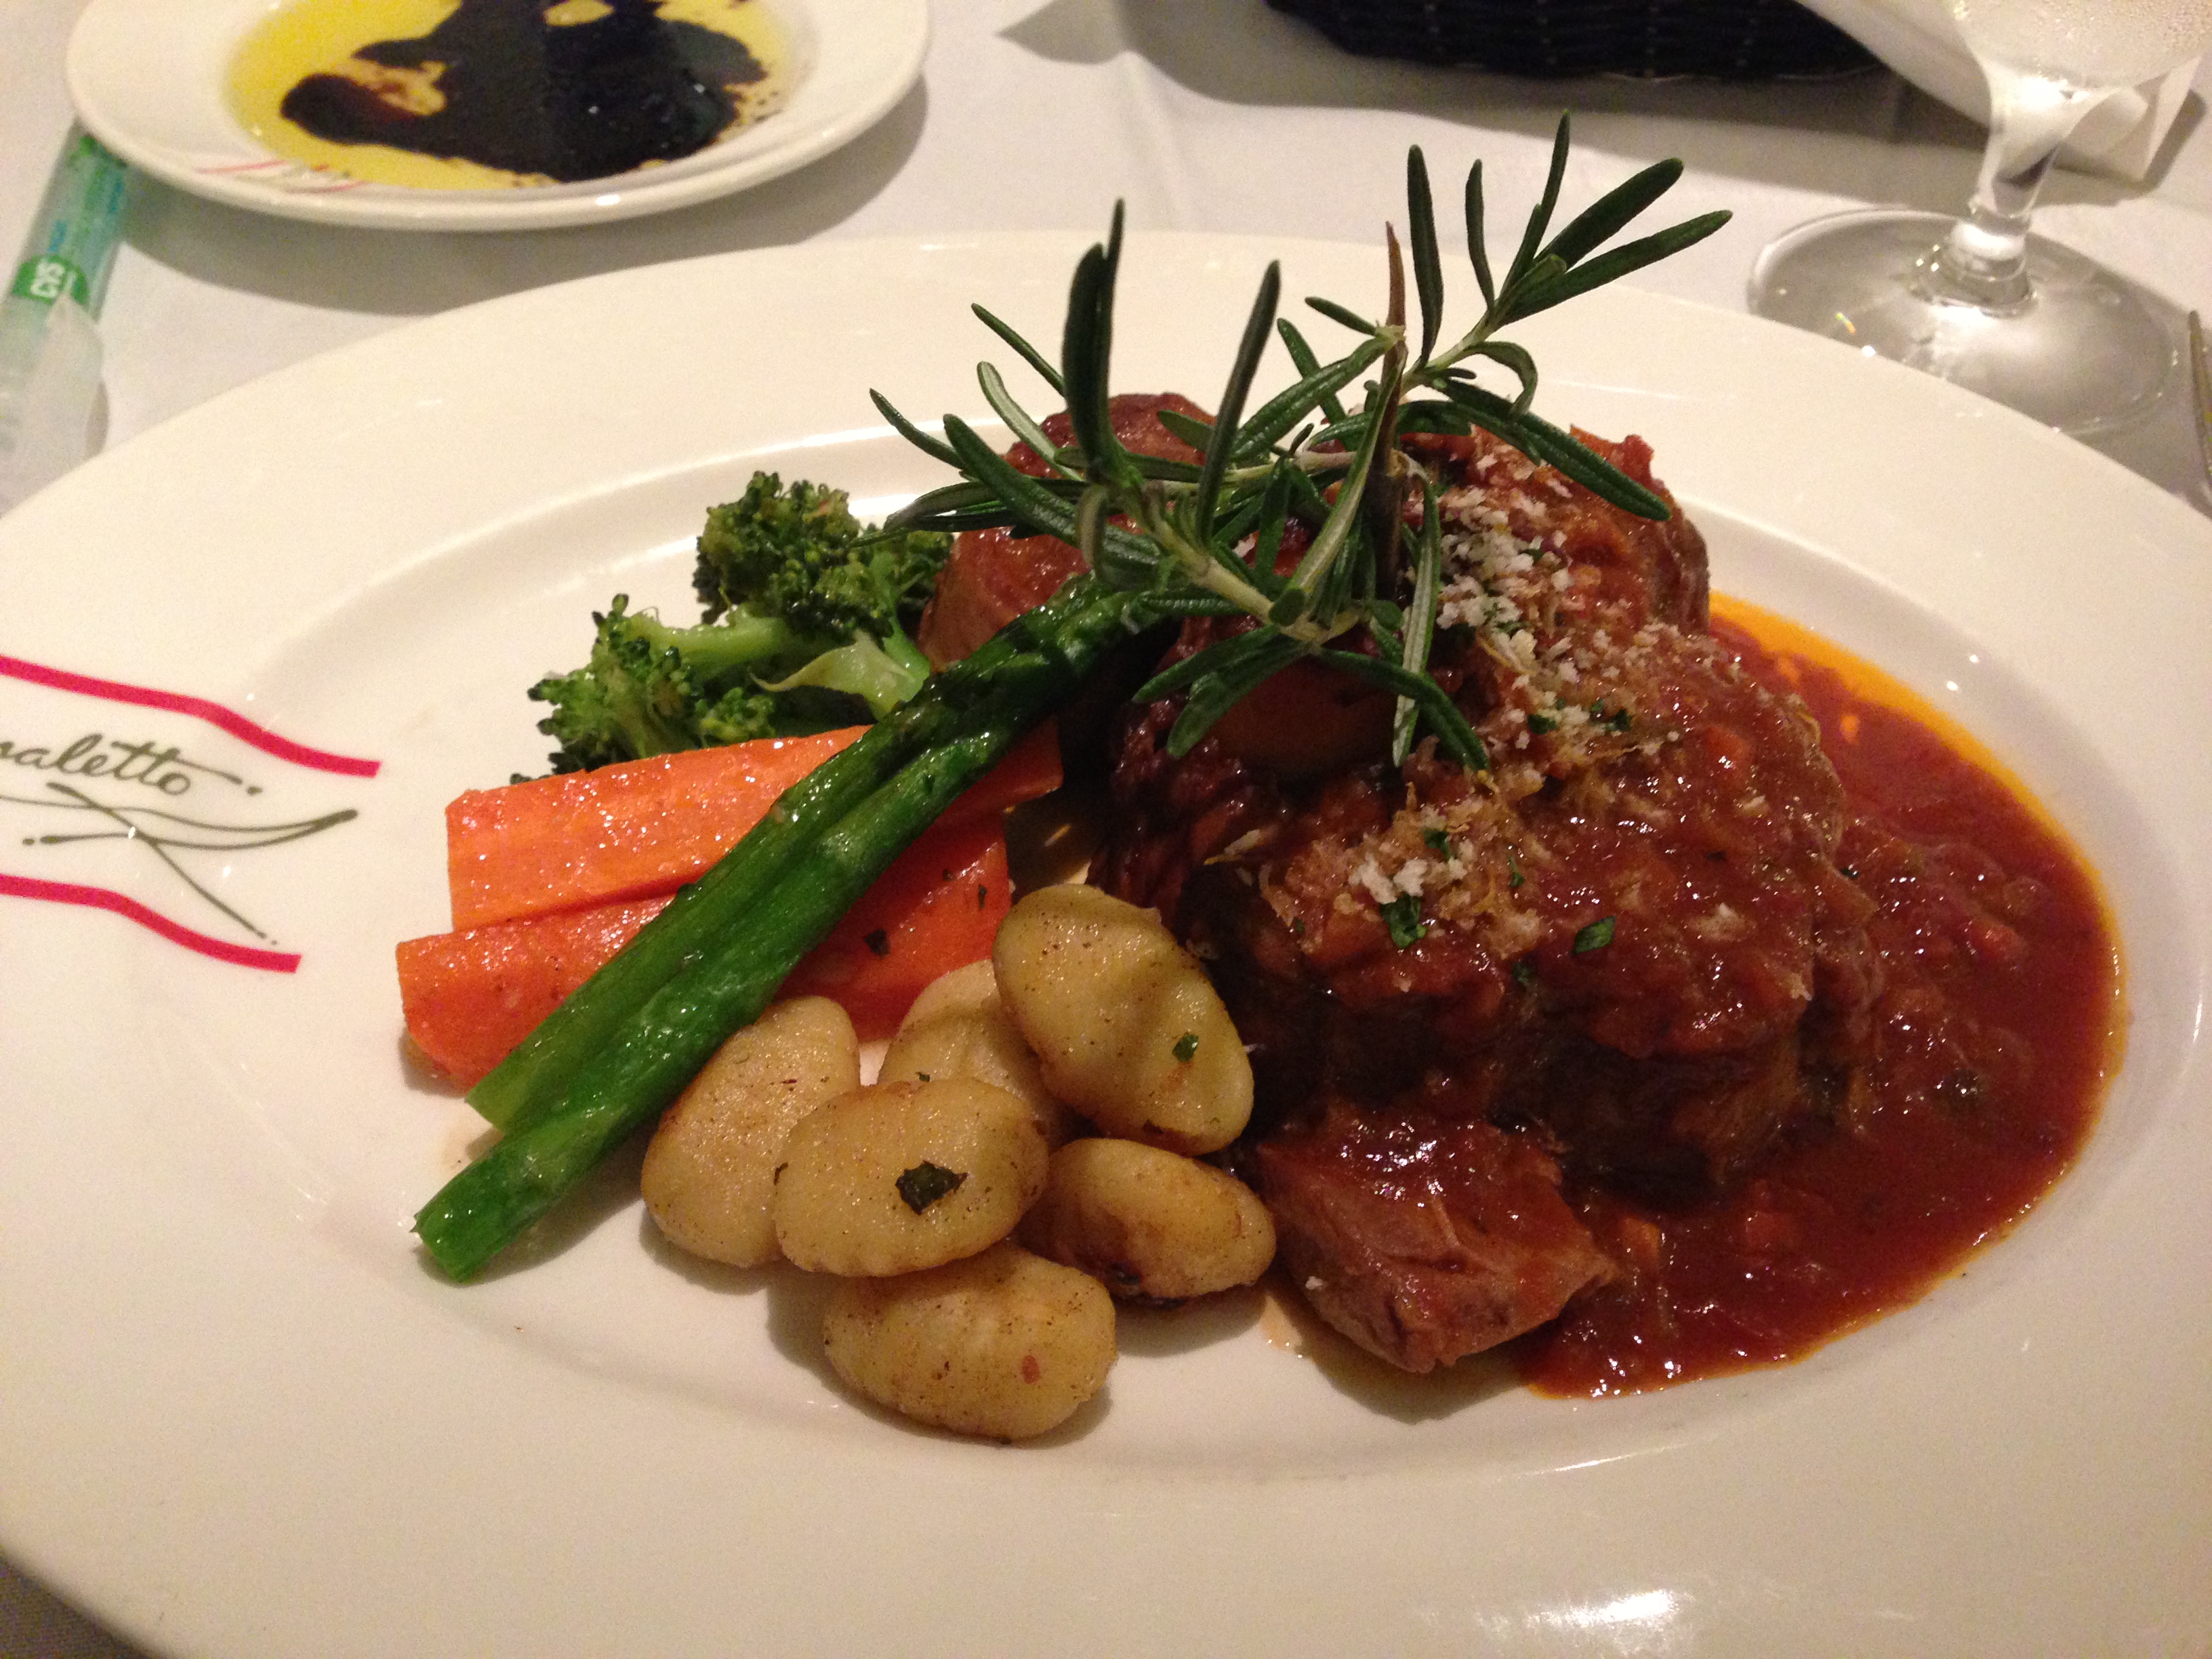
{"type": "Point", "coordinates": [805, 629]}
{"type": "Point", "coordinates": [800, 555]}
{"type": "Point", "coordinates": [646, 686]}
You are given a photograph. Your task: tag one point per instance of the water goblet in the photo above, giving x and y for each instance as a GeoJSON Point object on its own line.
{"type": "Point", "coordinates": [1978, 300]}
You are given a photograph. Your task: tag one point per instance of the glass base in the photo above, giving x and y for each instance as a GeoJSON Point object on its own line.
{"type": "Point", "coordinates": [2088, 352]}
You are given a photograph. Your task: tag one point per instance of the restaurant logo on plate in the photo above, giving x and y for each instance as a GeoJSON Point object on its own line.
{"type": "Point", "coordinates": [150, 803]}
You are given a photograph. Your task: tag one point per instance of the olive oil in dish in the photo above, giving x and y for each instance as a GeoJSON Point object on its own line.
{"type": "Point", "coordinates": [499, 94]}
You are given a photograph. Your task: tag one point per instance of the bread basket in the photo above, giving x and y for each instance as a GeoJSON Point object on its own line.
{"type": "Point", "coordinates": [1654, 40]}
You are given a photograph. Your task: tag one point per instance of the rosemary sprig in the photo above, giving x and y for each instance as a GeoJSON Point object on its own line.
{"type": "Point", "coordinates": [1543, 274]}
{"type": "Point", "coordinates": [1421, 617]}
{"type": "Point", "coordinates": [1203, 540]}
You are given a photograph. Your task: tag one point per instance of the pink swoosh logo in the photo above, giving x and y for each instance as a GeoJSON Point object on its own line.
{"type": "Point", "coordinates": [226, 720]}
{"type": "Point", "coordinates": [176, 703]}
{"type": "Point", "coordinates": [100, 898]}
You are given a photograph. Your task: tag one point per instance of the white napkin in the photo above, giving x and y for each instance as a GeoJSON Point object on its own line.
{"type": "Point", "coordinates": [1917, 39]}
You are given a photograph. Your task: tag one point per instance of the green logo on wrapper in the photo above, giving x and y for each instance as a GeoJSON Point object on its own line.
{"type": "Point", "coordinates": [46, 277]}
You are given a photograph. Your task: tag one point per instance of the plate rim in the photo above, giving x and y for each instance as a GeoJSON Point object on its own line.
{"type": "Point", "coordinates": [207, 424]}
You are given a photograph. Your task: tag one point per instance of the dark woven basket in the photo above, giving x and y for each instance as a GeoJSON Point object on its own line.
{"type": "Point", "coordinates": [1724, 39]}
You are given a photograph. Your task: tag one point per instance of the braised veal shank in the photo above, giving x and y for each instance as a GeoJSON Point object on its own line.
{"type": "Point", "coordinates": [1624, 956]}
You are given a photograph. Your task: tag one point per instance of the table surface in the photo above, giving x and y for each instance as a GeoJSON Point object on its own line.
{"type": "Point", "coordinates": [1038, 114]}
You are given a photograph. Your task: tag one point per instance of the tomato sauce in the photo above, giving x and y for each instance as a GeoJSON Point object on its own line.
{"type": "Point", "coordinates": [1997, 1026]}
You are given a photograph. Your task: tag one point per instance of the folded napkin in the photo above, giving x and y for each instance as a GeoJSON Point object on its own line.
{"type": "Point", "coordinates": [1917, 39]}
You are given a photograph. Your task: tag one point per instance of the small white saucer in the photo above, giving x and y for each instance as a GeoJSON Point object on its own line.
{"type": "Point", "coordinates": [148, 77]}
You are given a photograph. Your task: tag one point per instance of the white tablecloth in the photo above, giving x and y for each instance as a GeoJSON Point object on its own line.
{"type": "Point", "coordinates": [1203, 114]}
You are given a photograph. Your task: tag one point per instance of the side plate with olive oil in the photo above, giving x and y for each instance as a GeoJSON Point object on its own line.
{"type": "Point", "coordinates": [462, 115]}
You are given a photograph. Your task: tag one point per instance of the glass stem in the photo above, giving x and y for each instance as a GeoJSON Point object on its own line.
{"type": "Point", "coordinates": [1983, 262]}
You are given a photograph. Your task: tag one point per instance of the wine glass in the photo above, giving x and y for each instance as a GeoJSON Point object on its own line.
{"type": "Point", "coordinates": [1978, 300]}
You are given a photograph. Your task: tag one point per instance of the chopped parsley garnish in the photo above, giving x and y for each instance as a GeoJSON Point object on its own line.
{"type": "Point", "coordinates": [927, 1183]}
{"type": "Point", "coordinates": [1541, 724]}
{"type": "Point", "coordinates": [1186, 1047]}
{"type": "Point", "coordinates": [1525, 973]}
{"type": "Point", "coordinates": [1596, 937]}
{"type": "Point", "coordinates": [1439, 840]}
{"type": "Point", "coordinates": [1402, 916]}
{"type": "Point", "coordinates": [1514, 878]}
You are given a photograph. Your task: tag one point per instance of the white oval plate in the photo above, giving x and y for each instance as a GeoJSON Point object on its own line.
{"type": "Point", "coordinates": [147, 78]}
{"type": "Point", "coordinates": [238, 1417]}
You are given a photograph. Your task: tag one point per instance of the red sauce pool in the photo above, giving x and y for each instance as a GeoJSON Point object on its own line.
{"type": "Point", "coordinates": [2000, 1024]}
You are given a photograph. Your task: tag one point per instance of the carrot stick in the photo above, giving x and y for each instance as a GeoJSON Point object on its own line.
{"type": "Point", "coordinates": [646, 827]}
{"type": "Point", "coordinates": [471, 995]}
{"type": "Point", "coordinates": [937, 907]}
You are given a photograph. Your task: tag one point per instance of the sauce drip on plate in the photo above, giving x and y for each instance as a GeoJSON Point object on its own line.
{"type": "Point", "coordinates": [492, 93]}
{"type": "Point", "coordinates": [2000, 1026]}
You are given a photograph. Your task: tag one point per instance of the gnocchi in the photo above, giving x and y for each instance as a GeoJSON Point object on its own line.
{"type": "Point", "coordinates": [978, 1246]}
{"type": "Point", "coordinates": [710, 1170]}
{"type": "Point", "coordinates": [1150, 1223]}
{"type": "Point", "coordinates": [1004, 1344]}
{"type": "Point", "coordinates": [959, 1027]}
{"type": "Point", "coordinates": [901, 1176]}
{"type": "Point", "coordinates": [1127, 1028]}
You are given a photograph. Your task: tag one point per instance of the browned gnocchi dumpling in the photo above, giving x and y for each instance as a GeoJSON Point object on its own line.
{"type": "Point", "coordinates": [1125, 1025]}
{"type": "Point", "coordinates": [901, 1176]}
{"type": "Point", "coordinates": [959, 1027]}
{"type": "Point", "coordinates": [1004, 1344]}
{"type": "Point", "coordinates": [710, 1170]}
{"type": "Point", "coordinates": [1150, 1223]}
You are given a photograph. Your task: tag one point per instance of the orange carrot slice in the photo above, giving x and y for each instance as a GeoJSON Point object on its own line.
{"type": "Point", "coordinates": [937, 908]}
{"type": "Point", "coordinates": [646, 827]}
{"type": "Point", "coordinates": [471, 995]}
